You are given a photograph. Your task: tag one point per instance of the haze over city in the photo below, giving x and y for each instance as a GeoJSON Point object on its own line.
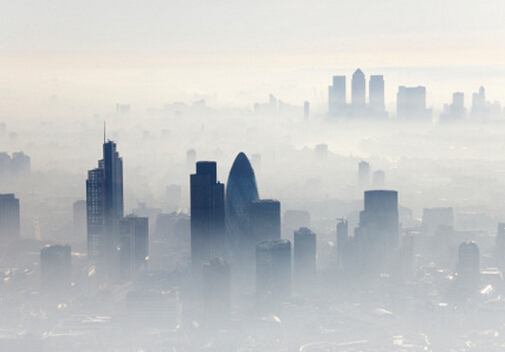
{"type": "Point", "coordinates": [267, 176]}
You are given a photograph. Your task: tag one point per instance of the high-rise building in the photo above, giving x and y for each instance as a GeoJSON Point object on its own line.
{"type": "Point", "coordinates": [133, 245]}
{"type": "Point", "coordinates": [456, 111]}
{"type": "Point", "coordinates": [265, 215]}
{"type": "Point", "coordinates": [20, 164]}
{"type": "Point", "coordinates": [104, 208]}
{"type": "Point", "coordinates": [468, 267]}
{"type": "Point", "coordinates": [241, 190]}
{"type": "Point", "coordinates": [207, 215]}
{"type": "Point", "coordinates": [304, 258]}
{"type": "Point", "coordinates": [376, 93]}
{"type": "Point", "coordinates": [364, 175]}
{"type": "Point", "coordinates": [216, 291]}
{"type": "Point", "coordinates": [337, 96]}
{"type": "Point", "coordinates": [342, 243]}
{"type": "Point", "coordinates": [378, 179]}
{"type": "Point", "coordinates": [411, 104]}
{"type": "Point", "coordinates": [9, 217]}
{"type": "Point", "coordinates": [358, 98]}
{"type": "Point", "coordinates": [55, 269]}
{"type": "Point", "coordinates": [499, 246]}
{"type": "Point", "coordinates": [273, 271]}
{"type": "Point", "coordinates": [79, 222]}
{"type": "Point", "coordinates": [379, 224]}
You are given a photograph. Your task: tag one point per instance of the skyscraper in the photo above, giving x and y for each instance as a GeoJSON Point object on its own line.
{"type": "Point", "coordinates": [241, 190]}
{"type": "Point", "coordinates": [104, 210]}
{"type": "Point", "coordinates": [337, 96]}
{"type": "Point", "coordinates": [364, 175]}
{"type": "Point", "coordinates": [133, 245]}
{"type": "Point", "coordinates": [378, 223]}
{"type": "Point", "coordinates": [273, 271]}
{"type": "Point", "coordinates": [217, 291]}
{"type": "Point", "coordinates": [9, 217]}
{"type": "Point", "coordinates": [376, 93]}
{"type": "Point", "coordinates": [55, 269]}
{"type": "Point", "coordinates": [265, 219]}
{"type": "Point", "coordinates": [207, 215]}
{"type": "Point", "coordinates": [358, 97]}
{"type": "Point", "coordinates": [468, 268]}
{"type": "Point", "coordinates": [411, 104]}
{"type": "Point", "coordinates": [304, 258]}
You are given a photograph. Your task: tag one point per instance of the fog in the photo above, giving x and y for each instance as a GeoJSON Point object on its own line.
{"type": "Point", "coordinates": [204, 176]}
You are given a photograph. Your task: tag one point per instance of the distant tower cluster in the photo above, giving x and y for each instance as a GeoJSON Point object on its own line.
{"type": "Point", "coordinates": [15, 167]}
{"type": "Point", "coordinates": [456, 111]}
{"type": "Point", "coordinates": [337, 102]}
{"type": "Point", "coordinates": [207, 215]}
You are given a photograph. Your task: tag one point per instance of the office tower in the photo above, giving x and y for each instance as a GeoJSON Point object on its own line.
{"type": "Point", "coordinates": [468, 267]}
{"type": "Point", "coordinates": [456, 111]}
{"type": "Point", "coordinates": [376, 93]}
{"type": "Point", "coordinates": [104, 208]}
{"type": "Point", "coordinates": [480, 107]}
{"type": "Point", "coordinates": [20, 164]}
{"type": "Point", "coordinates": [5, 167]}
{"type": "Point", "coordinates": [358, 89]}
{"type": "Point", "coordinates": [380, 226]}
{"type": "Point", "coordinates": [433, 218]}
{"type": "Point", "coordinates": [273, 271]}
{"type": "Point", "coordinates": [241, 190]}
{"type": "Point", "coordinates": [304, 258]}
{"type": "Point", "coordinates": [337, 96]}
{"type": "Point", "coordinates": [306, 110]}
{"type": "Point", "coordinates": [265, 217]}
{"type": "Point", "coordinates": [364, 175]}
{"type": "Point", "coordinates": [9, 218]}
{"type": "Point", "coordinates": [216, 292]}
{"type": "Point", "coordinates": [207, 215]}
{"type": "Point", "coordinates": [79, 222]}
{"type": "Point", "coordinates": [55, 269]}
{"type": "Point", "coordinates": [133, 245]}
{"type": "Point", "coordinates": [499, 246]}
{"type": "Point", "coordinates": [411, 104]}
{"type": "Point", "coordinates": [342, 243]}
{"type": "Point", "coordinates": [378, 179]}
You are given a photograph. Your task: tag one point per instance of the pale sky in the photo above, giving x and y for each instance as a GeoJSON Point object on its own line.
{"type": "Point", "coordinates": [102, 52]}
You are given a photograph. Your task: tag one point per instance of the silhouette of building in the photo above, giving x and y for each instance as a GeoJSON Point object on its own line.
{"type": "Point", "coordinates": [364, 175]}
{"type": "Point", "coordinates": [133, 245]}
{"type": "Point", "coordinates": [499, 247]}
{"type": "Point", "coordinates": [379, 226]}
{"type": "Point", "coordinates": [9, 218]}
{"type": "Point", "coordinates": [216, 292]}
{"type": "Point", "coordinates": [104, 210]}
{"type": "Point", "coordinates": [79, 222]}
{"type": "Point", "coordinates": [411, 104]}
{"type": "Point", "coordinates": [20, 165]}
{"type": "Point", "coordinates": [456, 111]}
{"type": "Point", "coordinates": [337, 96]}
{"type": "Point", "coordinates": [433, 218]}
{"type": "Point", "coordinates": [480, 107]}
{"type": "Point", "coordinates": [468, 268]}
{"type": "Point", "coordinates": [378, 179]}
{"type": "Point", "coordinates": [265, 215]}
{"type": "Point", "coordinates": [241, 190]}
{"type": "Point", "coordinates": [342, 244]}
{"type": "Point", "coordinates": [358, 89]}
{"type": "Point", "coordinates": [207, 215]}
{"type": "Point", "coordinates": [304, 258]}
{"type": "Point", "coordinates": [56, 269]}
{"type": "Point", "coordinates": [273, 271]}
{"type": "Point", "coordinates": [376, 93]}
{"type": "Point", "coordinates": [306, 110]}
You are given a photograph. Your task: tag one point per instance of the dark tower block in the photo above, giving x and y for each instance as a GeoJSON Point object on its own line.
{"type": "Point", "coordinates": [207, 215]}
